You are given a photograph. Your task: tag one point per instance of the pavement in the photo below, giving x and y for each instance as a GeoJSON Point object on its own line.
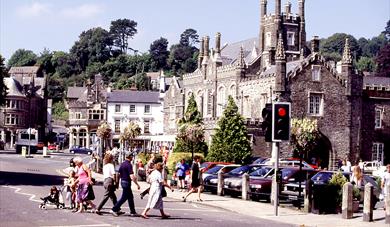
{"type": "Point", "coordinates": [286, 215]}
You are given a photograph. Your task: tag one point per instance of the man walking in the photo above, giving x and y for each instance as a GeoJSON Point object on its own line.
{"type": "Point", "coordinates": [126, 176]}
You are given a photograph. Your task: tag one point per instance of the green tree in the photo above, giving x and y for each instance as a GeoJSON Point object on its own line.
{"type": "Point", "coordinates": [22, 57]}
{"type": "Point", "coordinates": [190, 137]}
{"type": "Point", "coordinates": [386, 32]}
{"type": "Point", "coordinates": [59, 111]}
{"type": "Point", "coordinates": [45, 61]}
{"type": "Point", "coordinates": [178, 55]}
{"type": "Point", "coordinates": [159, 54]}
{"type": "Point", "coordinates": [366, 64]}
{"type": "Point", "coordinates": [94, 45]}
{"type": "Point", "coordinates": [230, 142]}
{"type": "Point", "coordinates": [189, 37]}
{"type": "Point", "coordinates": [383, 61]}
{"type": "Point", "coordinates": [121, 30]}
{"type": "Point", "coordinates": [332, 47]}
{"type": "Point", "coordinates": [55, 87]}
{"type": "Point", "coordinates": [3, 74]}
{"type": "Point", "coordinates": [143, 82]}
{"type": "Point", "coordinates": [63, 63]}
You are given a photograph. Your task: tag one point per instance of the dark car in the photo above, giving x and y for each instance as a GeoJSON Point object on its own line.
{"type": "Point", "coordinates": [210, 182]}
{"type": "Point", "coordinates": [322, 178]}
{"type": "Point", "coordinates": [233, 184]}
{"type": "Point", "coordinates": [80, 150]}
{"type": "Point", "coordinates": [219, 168]}
{"type": "Point", "coordinates": [260, 188]}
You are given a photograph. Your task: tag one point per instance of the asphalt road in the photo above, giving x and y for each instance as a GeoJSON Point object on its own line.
{"type": "Point", "coordinates": [23, 181]}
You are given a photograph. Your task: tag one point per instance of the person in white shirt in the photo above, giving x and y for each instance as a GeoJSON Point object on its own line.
{"type": "Point", "coordinates": [109, 182]}
{"type": "Point", "coordinates": [386, 180]}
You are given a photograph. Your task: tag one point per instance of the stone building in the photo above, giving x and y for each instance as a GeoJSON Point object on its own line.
{"type": "Point", "coordinates": [87, 110]}
{"type": "Point", "coordinates": [25, 103]}
{"type": "Point", "coordinates": [282, 68]}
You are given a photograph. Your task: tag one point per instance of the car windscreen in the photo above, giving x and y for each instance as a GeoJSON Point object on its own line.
{"type": "Point", "coordinates": [204, 165]}
{"type": "Point", "coordinates": [322, 176]}
{"type": "Point", "coordinates": [214, 170]}
{"type": "Point", "coordinates": [260, 172]}
{"type": "Point", "coordinates": [240, 170]}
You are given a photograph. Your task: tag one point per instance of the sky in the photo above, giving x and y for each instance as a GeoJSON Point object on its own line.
{"type": "Point", "coordinates": [56, 24]}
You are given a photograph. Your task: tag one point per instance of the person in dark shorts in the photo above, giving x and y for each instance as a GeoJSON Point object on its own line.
{"type": "Point", "coordinates": [181, 169]}
{"type": "Point", "coordinates": [196, 176]}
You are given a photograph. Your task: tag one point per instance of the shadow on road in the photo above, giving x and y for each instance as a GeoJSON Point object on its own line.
{"type": "Point", "coordinates": [34, 179]}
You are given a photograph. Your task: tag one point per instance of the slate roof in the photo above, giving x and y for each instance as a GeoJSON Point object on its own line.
{"type": "Point", "coordinates": [24, 70]}
{"type": "Point", "coordinates": [13, 87]}
{"type": "Point", "coordinates": [290, 66]}
{"type": "Point", "coordinates": [231, 52]}
{"type": "Point", "coordinates": [375, 80]}
{"type": "Point", "coordinates": [129, 96]}
{"type": "Point", "coordinates": [75, 92]}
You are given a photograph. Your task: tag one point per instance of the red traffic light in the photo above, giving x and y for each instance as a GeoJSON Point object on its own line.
{"type": "Point", "coordinates": [282, 112]}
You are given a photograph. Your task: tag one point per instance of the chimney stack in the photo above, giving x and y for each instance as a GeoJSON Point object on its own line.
{"type": "Point", "coordinates": [315, 44]}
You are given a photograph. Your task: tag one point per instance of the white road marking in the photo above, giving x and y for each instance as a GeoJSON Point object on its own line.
{"type": "Point", "coordinates": [97, 225]}
{"type": "Point", "coordinates": [17, 190]}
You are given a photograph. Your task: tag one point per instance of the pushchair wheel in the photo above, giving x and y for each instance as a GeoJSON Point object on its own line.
{"type": "Point", "coordinates": [60, 206]}
{"type": "Point", "coordinates": [43, 207]}
{"type": "Point", "coordinates": [40, 206]}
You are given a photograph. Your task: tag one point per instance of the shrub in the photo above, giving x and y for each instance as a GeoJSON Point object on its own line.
{"type": "Point", "coordinates": [174, 158]}
{"type": "Point", "coordinates": [337, 182]}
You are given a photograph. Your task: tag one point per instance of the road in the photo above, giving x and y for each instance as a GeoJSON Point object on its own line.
{"type": "Point", "coordinates": [24, 180]}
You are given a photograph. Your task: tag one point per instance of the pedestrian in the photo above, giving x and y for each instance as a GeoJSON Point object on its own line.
{"type": "Point", "coordinates": [84, 183]}
{"type": "Point", "coordinates": [196, 176]}
{"type": "Point", "coordinates": [155, 200]}
{"type": "Point", "coordinates": [361, 165]}
{"type": "Point", "coordinates": [109, 182]}
{"type": "Point", "coordinates": [70, 189]}
{"type": "Point", "coordinates": [126, 175]}
{"type": "Point", "coordinates": [181, 169]}
{"type": "Point", "coordinates": [385, 182]}
{"type": "Point", "coordinates": [149, 170]}
{"type": "Point", "coordinates": [345, 167]}
{"type": "Point", "coordinates": [357, 177]}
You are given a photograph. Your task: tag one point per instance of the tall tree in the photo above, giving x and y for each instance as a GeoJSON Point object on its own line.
{"type": "Point", "coordinates": [22, 57]}
{"type": "Point", "coordinates": [366, 64]}
{"type": "Point", "coordinates": [230, 142]}
{"type": "Point", "coordinates": [3, 74]}
{"type": "Point", "coordinates": [383, 61]}
{"type": "Point", "coordinates": [386, 32]}
{"type": "Point", "coordinates": [189, 37]}
{"type": "Point", "coordinates": [190, 137]}
{"type": "Point", "coordinates": [332, 47]}
{"type": "Point", "coordinates": [121, 30]}
{"type": "Point", "coordinates": [45, 61]}
{"type": "Point", "coordinates": [159, 53]}
{"type": "Point", "coordinates": [93, 46]}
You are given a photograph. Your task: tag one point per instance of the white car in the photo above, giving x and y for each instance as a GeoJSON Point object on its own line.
{"type": "Point", "coordinates": [379, 172]}
{"type": "Point", "coordinates": [371, 166]}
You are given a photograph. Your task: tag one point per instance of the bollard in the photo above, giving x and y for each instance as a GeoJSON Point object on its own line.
{"type": "Point", "coordinates": [307, 203]}
{"type": "Point", "coordinates": [245, 187]}
{"type": "Point", "coordinates": [220, 184]}
{"type": "Point", "coordinates": [387, 204]}
{"type": "Point", "coordinates": [347, 206]}
{"type": "Point", "coordinates": [44, 153]}
{"type": "Point", "coordinates": [368, 202]}
{"type": "Point", "coordinates": [24, 149]}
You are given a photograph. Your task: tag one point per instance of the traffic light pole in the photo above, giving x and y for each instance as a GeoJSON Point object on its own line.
{"type": "Point", "coordinates": [275, 184]}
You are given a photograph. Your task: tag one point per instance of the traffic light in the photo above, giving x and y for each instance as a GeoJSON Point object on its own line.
{"type": "Point", "coordinates": [281, 113]}
{"type": "Point", "coordinates": [267, 122]}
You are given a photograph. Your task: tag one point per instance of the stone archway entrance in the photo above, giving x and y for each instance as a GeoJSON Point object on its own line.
{"type": "Point", "coordinates": [322, 153]}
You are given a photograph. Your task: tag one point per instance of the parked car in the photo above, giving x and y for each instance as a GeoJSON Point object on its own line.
{"type": "Point", "coordinates": [290, 163]}
{"type": "Point", "coordinates": [219, 168]}
{"type": "Point", "coordinates": [210, 182]}
{"type": "Point", "coordinates": [322, 178]}
{"type": "Point", "coordinates": [52, 147]}
{"type": "Point", "coordinates": [380, 172]}
{"type": "Point", "coordinates": [80, 150]}
{"type": "Point", "coordinates": [371, 166]}
{"type": "Point", "coordinates": [233, 184]}
{"type": "Point", "coordinates": [208, 165]}
{"type": "Point", "coordinates": [40, 145]}
{"type": "Point", "coordinates": [259, 160]}
{"type": "Point", "coordinates": [260, 188]}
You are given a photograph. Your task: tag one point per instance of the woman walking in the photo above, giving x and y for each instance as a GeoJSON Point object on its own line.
{"type": "Point", "coordinates": [196, 177]}
{"type": "Point", "coordinates": [83, 180]}
{"type": "Point", "coordinates": [157, 184]}
{"type": "Point", "coordinates": [109, 182]}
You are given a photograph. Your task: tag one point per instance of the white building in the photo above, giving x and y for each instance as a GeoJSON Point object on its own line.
{"type": "Point", "coordinates": [142, 107]}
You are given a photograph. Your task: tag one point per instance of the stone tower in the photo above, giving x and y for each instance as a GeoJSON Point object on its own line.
{"type": "Point", "coordinates": [290, 26]}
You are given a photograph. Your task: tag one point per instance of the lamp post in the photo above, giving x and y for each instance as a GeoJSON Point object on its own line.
{"type": "Point", "coordinates": [29, 91]}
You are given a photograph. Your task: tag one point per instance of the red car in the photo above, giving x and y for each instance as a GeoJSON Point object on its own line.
{"type": "Point", "coordinates": [52, 147]}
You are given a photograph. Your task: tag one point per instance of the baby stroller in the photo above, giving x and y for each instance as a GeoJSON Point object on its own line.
{"type": "Point", "coordinates": [55, 198]}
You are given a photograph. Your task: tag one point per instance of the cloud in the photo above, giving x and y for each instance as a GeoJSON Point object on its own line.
{"type": "Point", "coordinates": [84, 11]}
{"type": "Point", "coordinates": [33, 10]}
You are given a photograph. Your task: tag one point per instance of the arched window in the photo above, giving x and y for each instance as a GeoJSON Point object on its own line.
{"type": "Point", "coordinates": [199, 100]}
{"type": "Point", "coordinates": [221, 100]}
{"type": "Point", "coordinates": [232, 91]}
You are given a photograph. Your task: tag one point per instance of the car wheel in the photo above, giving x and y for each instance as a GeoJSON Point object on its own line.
{"type": "Point", "coordinates": [72, 152]}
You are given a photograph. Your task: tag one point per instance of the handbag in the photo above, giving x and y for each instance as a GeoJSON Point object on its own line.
{"type": "Point", "coordinates": [163, 192]}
